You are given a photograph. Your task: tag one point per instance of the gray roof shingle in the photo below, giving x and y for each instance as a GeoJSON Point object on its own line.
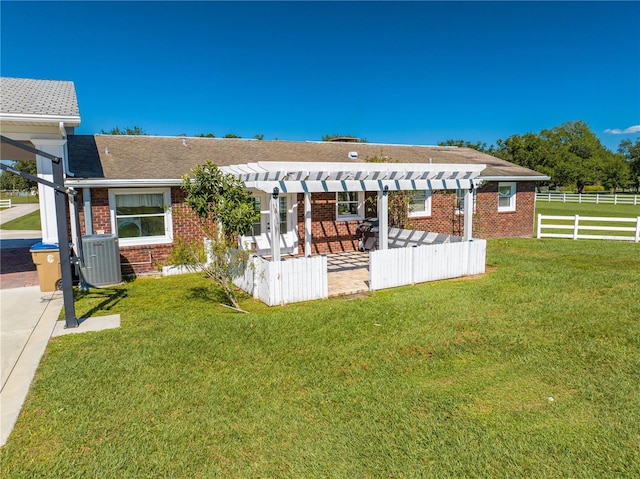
{"type": "Point", "coordinates": [114, 157]}
{"type": "Point", "coordinates": [38, 97]}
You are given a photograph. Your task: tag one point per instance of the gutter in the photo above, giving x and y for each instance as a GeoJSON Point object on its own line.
{"type": "Point", "coordinates": [121, 183]}
{"type": "Point", "coordinates": [50, 119]}
{"type": "Point", "coordinates": [514, 178]}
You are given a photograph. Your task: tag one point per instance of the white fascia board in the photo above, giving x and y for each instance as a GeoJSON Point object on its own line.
{"type": "Point", "coordinates": [330, 167]}
{"type": "Point", "coordinates": [136, 183]}
{"type": "Point", "coordinates": [514, 178]}
{"type": "Point", "coordinates": [45, 119]}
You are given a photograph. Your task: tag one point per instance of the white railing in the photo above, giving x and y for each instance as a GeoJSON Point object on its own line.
{"type": "Point", "coordinates": [574, 225]}
{"type": "Point", "coordinates": [431, 262]}
{"type": "Point", "coordinates": [399, 238]}
{"type": "Point", "coordinates": [287, 281]}
{"type": "Point", "coordinates": [597, 198]}
{"type": "Point", "coordinates": [5, 203]}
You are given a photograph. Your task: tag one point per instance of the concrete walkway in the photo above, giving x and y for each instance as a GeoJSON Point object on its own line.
{"type": "Point", "coordinates": [17, 211]}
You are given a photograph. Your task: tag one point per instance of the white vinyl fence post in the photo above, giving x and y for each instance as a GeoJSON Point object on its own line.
{"type": "Point", "coordinates": [575, 227]}
{"type": "Point", "coordinates": [539, 225]}
{"type": "Point", "coordinates": [637, 239]}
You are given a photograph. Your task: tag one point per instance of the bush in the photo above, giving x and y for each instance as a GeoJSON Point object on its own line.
{"type": "Point", "coordinates": [593, 188]}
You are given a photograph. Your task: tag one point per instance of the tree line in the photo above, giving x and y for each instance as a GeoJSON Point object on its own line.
{"type": "Point", "coordinates": [571, 155]}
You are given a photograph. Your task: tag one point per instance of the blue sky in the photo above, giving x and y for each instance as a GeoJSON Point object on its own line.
{"type": "Point", "coordinates": [414, 73]}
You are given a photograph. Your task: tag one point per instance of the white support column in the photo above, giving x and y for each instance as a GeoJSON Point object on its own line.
{"type": "Point", "coordinates": [48, 221]}
{"type": "Point", "coordinates": [307, 224]}
{"type": "Point", "coordinates": [383, 220]}
{"type": "Point", "coordinates": [468, 214]}
{"type": "Point", "coordinates": [274, 222]}
{"type": "Point", "coordinates": [88, 216]}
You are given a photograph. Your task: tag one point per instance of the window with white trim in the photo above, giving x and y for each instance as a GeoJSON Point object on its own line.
{"type": "Point", "coordinates": [141, 215]}
{"type": "Point", "coordinates": [507, 196]}
{"type": "Point", "coordinates": [460, 194]}
{"type": "Point", "coordinates": [349, 205]}
{"type": "Point", "coordinates": [419, 203]}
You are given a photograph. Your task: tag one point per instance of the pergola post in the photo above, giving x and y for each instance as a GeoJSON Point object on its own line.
{"type": "Point", "coordinates": [383, 218]}
{"type": "Point", "coordinates": [468, 214]}
{"type": "Point", "coordinates": [307, 224]}
{"type": "Point", "coordinates": [274, 222]}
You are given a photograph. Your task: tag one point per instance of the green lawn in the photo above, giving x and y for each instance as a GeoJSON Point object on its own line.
{"type": "Point", "coordinates": [444, 379]}
{"type": "Point", "coordinates": [30, 221]}
{"type": "Point", "coordinates": [18, 200]}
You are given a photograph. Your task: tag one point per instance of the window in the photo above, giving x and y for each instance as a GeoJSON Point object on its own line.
{"type": "Point", "coordinates": [141, 216]}
{"type": "Point", "coordinates": [256, 230]}
{"type": "Point", "coordinates": [506, 196]}
{"type": "Point", "coordinates": [420, 203]}
{"type": "Point", "coordinates": [350, 205]}
{"type": "Point", "coordinates": [460, 201]}
{"type": "Point", "coordinates": [283, 214]}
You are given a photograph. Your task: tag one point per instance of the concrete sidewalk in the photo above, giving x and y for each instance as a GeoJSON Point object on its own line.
{"type": "Point", "coordinates": [28, 319]}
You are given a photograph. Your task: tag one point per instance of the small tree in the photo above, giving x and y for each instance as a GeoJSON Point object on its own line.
{"type": "Point", "coordinates": [224, 210]}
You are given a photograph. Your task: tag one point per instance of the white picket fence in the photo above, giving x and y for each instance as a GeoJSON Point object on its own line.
{"type": "Point", "coordinates": [431, 262]}
{"type": "Point", "coordinates": [5, 203]}
{"type": "Point", "coordinates": [578, 227]}
{"type": "Point", "coordinates": [287, 281]}
{"type": "Point", "coordinates": [596, 198]}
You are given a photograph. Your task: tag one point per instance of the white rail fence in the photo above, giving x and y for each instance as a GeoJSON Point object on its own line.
{"type": "Point", "coordinates": [286, 281]}
{"type": "Point", "coordinates": [400, 266]}
{"type": "Point", "coordinates": [5, 203]}
{"type": "Point", "coordinates": [597, 198]}
{"type": "Point", "coordinates": [584, 227]}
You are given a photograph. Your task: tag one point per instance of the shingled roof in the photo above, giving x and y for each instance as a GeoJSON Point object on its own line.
{"type": "Point", "coordinates": [113, 157]}
{"type": "Point", "coordinates": [43, 98]}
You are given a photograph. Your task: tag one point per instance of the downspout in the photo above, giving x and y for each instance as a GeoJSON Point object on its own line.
{"type": "Point", "coordinates": [63, 132]}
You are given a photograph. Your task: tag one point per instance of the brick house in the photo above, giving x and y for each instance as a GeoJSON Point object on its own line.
{"type": "Point", "coordinates": [130, 185]}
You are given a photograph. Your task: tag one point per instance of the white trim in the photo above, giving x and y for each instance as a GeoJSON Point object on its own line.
{"type": "Point", "coordinates": [122, 183]}
{"type": "Point", "coordinates": [512, 196]}
{"type": "Point", "coordinates": [143, 240]}
{"type": "Point", "coordinates": [514, 178]}
{"type": "Point", "coordinates": [69, 120]}
{"type": "Point", "coordinates": [427, 205]}
{"type": "Point", "coordinates": [350, 217]}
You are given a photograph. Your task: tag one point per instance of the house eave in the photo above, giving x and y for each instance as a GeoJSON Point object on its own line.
{"type": "Point", "coordinates": [514, 178]}
{"type": "Point", "coordinates": [34, 120]}
{"type": "Point", "coordinates": [121, 183]}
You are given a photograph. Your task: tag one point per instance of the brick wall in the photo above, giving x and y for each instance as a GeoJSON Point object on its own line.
{"type": "Point", "coordinates": [148, 259]}
{"type": "Point", "coordinates": [329, 235]}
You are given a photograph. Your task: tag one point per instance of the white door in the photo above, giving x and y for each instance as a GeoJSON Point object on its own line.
{"type": "Point", "coordinates": [260, 239]}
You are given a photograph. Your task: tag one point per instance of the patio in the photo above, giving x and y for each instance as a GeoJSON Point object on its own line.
{"type": "Point", "coordinates": [401, 257]}
{"type": "Point", "coordinates": [347, 273]}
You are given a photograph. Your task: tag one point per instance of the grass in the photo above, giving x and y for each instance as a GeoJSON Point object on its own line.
{"type": "Point", "coordinates": [587, 209]}
{"type": "Point", "coordinates": [443, 379]}
{"type": "Point", "coordinates": [30, 221]}
{"type": "Point", "coordinates": [19, 200]}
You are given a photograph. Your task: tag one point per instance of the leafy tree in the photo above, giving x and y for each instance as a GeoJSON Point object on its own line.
{"type": "Point", "coordinates": [224, 210]}
{"type": "Point", "coordinates": [136, 130]}
{"type": "Point", "coordinates": [570, 154]}
{"type": "Point", "coordinates": [631, 153]}
{"type": "Point", "coordinates": [208, 135]}
{"type": "Point", "coordinates": [11, 181]}
{"type": "Point", "coordinates": [343, 138]}
{"type": "Point", "coordinates": [231, 135]}
{"type": "Point", "coordinates": [480, 146]}
{"type": "Point", "coordinates": [259, 136]}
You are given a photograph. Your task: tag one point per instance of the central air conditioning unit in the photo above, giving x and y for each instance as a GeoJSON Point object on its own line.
{"type": "Point", "coordinates": [101, 261]}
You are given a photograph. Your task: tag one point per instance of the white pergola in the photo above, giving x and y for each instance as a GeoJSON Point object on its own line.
{"type": "Point", "coordinates": [320, 177]}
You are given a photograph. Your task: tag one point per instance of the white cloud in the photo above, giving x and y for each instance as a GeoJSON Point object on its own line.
{"type": "Point", "coordinates": [626, 131]}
